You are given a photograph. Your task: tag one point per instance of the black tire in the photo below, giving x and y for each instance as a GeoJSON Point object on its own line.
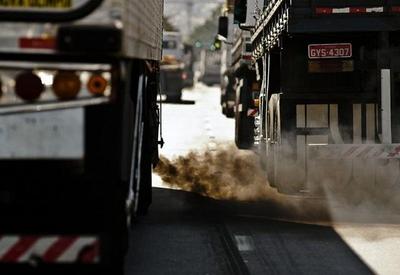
{"type": "Point", "coordinates": [230, 113]}
{"type": "Point", "coordinates": [244, 125]}
{"type": "Point", "coordinates": [144, 148]}
{"type": "Point", "coordinates": [145, 190]}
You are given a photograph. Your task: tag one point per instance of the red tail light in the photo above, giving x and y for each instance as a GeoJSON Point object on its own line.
{"type": "Point", "coordinates": [256, 102]}
{"type": "Point", "coordinates": [395, 9]}
{"type": "Point", "coordinates": [184, 76]}
{"type": "Point", "coordinates": [28, 86]}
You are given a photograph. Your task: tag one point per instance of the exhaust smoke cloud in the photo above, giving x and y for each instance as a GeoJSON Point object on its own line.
{"type": "Point", "coordinates": [237, 175]}
{"type": "Point", "coordinates": [223, 174]}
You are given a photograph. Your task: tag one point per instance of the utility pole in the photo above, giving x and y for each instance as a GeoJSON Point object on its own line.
{"type": "Point", "coordinates": [189, 10]}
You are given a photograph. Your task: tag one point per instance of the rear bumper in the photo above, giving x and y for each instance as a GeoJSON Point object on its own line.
{"type": "Point", "coordinates": [49, 249]}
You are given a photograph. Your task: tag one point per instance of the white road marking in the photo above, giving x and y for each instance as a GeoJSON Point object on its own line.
{"type": "Point", "coordinates": [244, 243]}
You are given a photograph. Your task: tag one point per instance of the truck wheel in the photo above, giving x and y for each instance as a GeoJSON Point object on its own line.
{"type": "Point", "coordinates": [142, 161]}
{"type": "Point", "coordinates": [283, 172]}
{"type": "Point", "coordinates": [145, 190]}
{"type": "Point", "coordinates": [244, 125]}
{"type": "Point", "coordinates": [271, 127]}
{"type": "Point", "coordinates": [230, 112]}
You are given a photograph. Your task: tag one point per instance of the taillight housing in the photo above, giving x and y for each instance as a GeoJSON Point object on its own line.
{"type": "Point", "coordinates": [36, 86]}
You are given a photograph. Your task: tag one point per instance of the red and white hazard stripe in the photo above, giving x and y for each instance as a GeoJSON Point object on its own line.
{"type": "Point", "coordinates": [348, 10]}
{"type": "Point", "coordinates": [247, 56]}
{"type": "Point", "coordinates": [252, 112]}
{"type": "Point", "coordinates": [50, 249]}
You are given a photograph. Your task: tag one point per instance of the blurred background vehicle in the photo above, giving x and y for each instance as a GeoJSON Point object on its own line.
{"type": "Point", "coordinates": [188, 71]}
{"type": "Point", "coordinates": [210, 67]}
{"type": "Point", "coordinates": [173, 73]}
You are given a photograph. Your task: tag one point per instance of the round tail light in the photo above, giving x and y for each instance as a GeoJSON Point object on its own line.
{"type": "Point", "coordinates": [66, 85]}
{"type": "Point", "coordinates": [28, 86]}
{"type": "Point", "coordinates": [184, 76]}
{"type": "Point", "coordinates": [97, 84]}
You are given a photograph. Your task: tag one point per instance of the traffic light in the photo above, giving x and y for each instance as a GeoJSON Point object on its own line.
{"type": "Point", "coordinates": [240, 11]}
{"type": "Point", "coordinates": [216, 45]}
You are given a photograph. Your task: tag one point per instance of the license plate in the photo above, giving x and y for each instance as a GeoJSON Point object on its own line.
{"type": "Point", "coordinates": [47, 135]}
{"type": "Point", "coordinates": [320, 51]}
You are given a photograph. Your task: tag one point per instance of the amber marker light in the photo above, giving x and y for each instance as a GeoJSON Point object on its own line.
{"type": "Point", "coordinates": [256, 102]}
{"type": "Point", "coordinates": [28, 86]}
{"type": "Point", "coordinates": [97, 84]}
{"type": "Point", "coordinates": [66, 85]}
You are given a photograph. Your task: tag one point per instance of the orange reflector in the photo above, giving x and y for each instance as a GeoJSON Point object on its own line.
{"type": "Point", "coordinates": [256, 102]}
{"type": "Point", "coordinates": [97, 84]}
{"type": "Point", "coordinates": [28, 86]}
{"type": "Point", "coordinates": [66, 85]}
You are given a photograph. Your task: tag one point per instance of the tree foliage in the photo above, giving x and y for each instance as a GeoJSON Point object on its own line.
{"type": "Point", "coordinates": [206, 33]}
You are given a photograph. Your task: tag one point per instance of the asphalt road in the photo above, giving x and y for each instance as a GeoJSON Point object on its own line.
{"type": "Point", "coordinates": [214, 213]}
{"type": "Point", "coordinates": [185, 233]}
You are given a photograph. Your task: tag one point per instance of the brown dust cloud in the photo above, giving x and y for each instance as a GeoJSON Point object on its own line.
{"type": "Point", "coordinates": [229, 174]}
